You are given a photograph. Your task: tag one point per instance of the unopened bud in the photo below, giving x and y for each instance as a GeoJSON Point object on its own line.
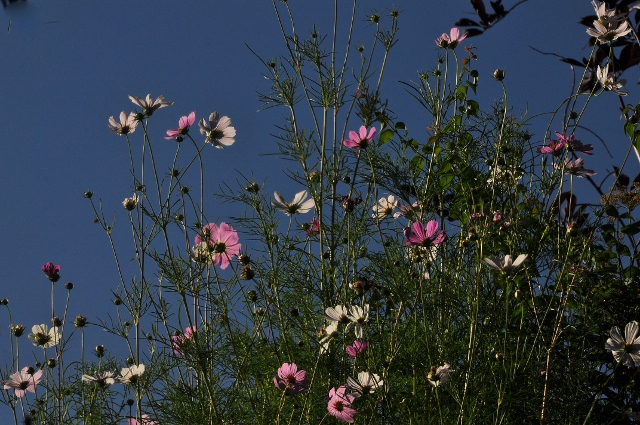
{"type": "Point", "coordinates": [499, 74]}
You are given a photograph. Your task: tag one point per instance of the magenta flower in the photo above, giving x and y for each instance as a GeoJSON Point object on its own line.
{"type": "Point", "coordinates": [338, 405]}
{"type": "Point", "coordinates": [218, 244]}
{"type": "Point", "coordinates": [420, 235]}
{"type": "Point", "coordinates": [145, 421]}
{"type": "Point", "coordinates": [556, 147]}
{"type": "Point", "coordinates": [23, 381]}
{"type": "Point", "coordinates": [576, 168]}
{"type": "Point", "coordinates": [292, 381]}
{"type": "Point", "coordinates": [360, 140]}
{"type": "Point", "coordinates": [357, 348]}
{"type": "Point", "coordinates": [183, 127]}
{"type": "Point", "coordinates": [451, 40]}
{"type": "Point", "coordinates": [313, 228]}
{"type": "Point", "coordinates": [52, 272]}
{"type": "Point", "coordinates": [179, 340]}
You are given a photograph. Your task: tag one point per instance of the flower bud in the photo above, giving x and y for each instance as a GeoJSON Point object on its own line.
{"type": "Point", "coordinates": [244, 259]}
{"type": "Point", "coordinates": [56, 321]}
{"type": "Point", "coordinates": [130, 204]}
{"type": "Point", "coordinates": [68, 286]}
{"type": "Point", "coordinates": [175, 172]}
{"type": "Point", "coordinates": [252, 295]}
{"type": "Point", "coordinates": [80, 321]}
{"type": "Point", "coordinates": [130, 402]}
{"type": "Point", "coordinates": [130, 360]}
{"type": "Point", "coordinates": [88, 194]}
{"type": "Point", "coordinates": [4, 301]}
{"type": "Point", "coordinates": [184, 190]}
{"type": "Point", "coordinates": [247, 273]}
{"type": "Point", "coordinates": [30, 370]}
{"type": "Point", "coordinates": [17, 330]}
{"type": "Point", "coordinates": [499, 74]}
{"type": "Point", "coordinates": [253, 188]}
{"type": "Point", "coordinates": [117, 301]}
{"type": "Point", "coordinates": [99, 351]}
{"type": "Point", "coordinates": [51, 363]}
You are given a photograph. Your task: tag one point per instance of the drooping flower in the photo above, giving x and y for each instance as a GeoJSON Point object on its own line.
{"type": "Point", "coordinates": [219, 131]}
{"type": "Point", "coordinates": [313, 228]}
{"type": "Point", "coordinates": [358, 317]}
{"type": "Point", "coordinates": [385, 207]}
{"type": "Point", "coordinates": [183, 126]}
{"type": "Point", "coordinates": [178, 340]}
{"type": "Point", "coordinates": [103, 380]}
{"type": "Point", "coordinates": [451, 40]}
{"type": "Point", "coordinates": [131, 375]}
{"type": "Point", "coordinates": [440, 376]}
{"type": "Point", "coordinates": [627, 349]}
{"type": "Point", "coordinates": [505, 264]}
{"type": "Point", "coordinates": [576, 168]}
{"type": "Point", "coordinates": [129, 204]}
{"type": "Point", "coordinates": [297, 206]}
{"type": "Point", "coordinates": [327, 335]}
{"type": "Point", "coordinates": [365, 384]}
{"type": "Point", "coordinates": [144, 421]}
{"type": "Point", "coordinates": [361, 139]}
{"type": "Point", "coordinates": [609, 81]}
{"type": "Point", "coordinates": [23, 381]}
{"type": "Point", "coordinates": [609, 26]}
{"type": "Point", "coordinates": [127, 124]}
{"type": "Point", "coordinates": [357, 348]}
{"type": "Point", "coordinates": [421, 235]}
{"type": "Point", "coordinates": [339, 403]}
{"type": "Point", "coordinates": [217, 244]}
{"type": "Point", "coordinates": [148, 106]}
{"type": "Point", "coordinates": [338, 314]}
{"type": "Point", "coordinates": [606, 16]}
{"type": "Point", "coordinates": [44, 337]}
{"type": "Point", "coordinates": [292, 381]}
{"type": "Point", "coordinates": [52, 272]}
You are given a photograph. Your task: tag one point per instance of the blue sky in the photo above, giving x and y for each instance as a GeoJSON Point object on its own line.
{"type": "Point", "coordinates": [67, 66]}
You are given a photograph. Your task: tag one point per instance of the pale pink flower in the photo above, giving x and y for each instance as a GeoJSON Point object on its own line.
{"type": "Point", "coordinates": [339, 403]}
{"type": "Point", "coordinates": [313, 228]}
{"type": "Point", "coordinates": [609, 81]}
{"type": "Point", "coordinates": [412, 212]}
{"type": "Point", "coordinates": [221, 244]}
{"type": "Point", "coordinates": [148, 106]}
{"type": "Point", "coordinates": [385, 207]}
{"type": "Point", "coordinates": [219, 131]}
{"type": "Point", "coordinates": [338, 314]}
{"type": "Point", "coordinates": [608, 31]}
{"type": "Point", "coordinates": [127, 124]}
{"type": "Point", "coordinates": [183, 126]}
{"type": "Point", "coordinates": [179, 340]}
{"type": "Point", "coordinates": [145, 421]}
{"type": "Point", "coordinates": [23, 381]}
{"type": "Point", "coordinates": [627, 349]}
{"type": "Point", "coordinates": [425, 236]}
{"type": "Point", "coordinates": [292, 381]}
{"type": "Point", "coordinates": [576, 168]}
{"type": "Point", "coordinates": [360, 140]}
{"type": "Point", "coordinates": [357, 348]}
{"type": "Point", "coordinates": [440, 376]}
{"type": "Point", "coordinates": [556, 147]}
{"type": "Point", "coordinates": [365, 384]}
{"type": "Point", "coordinates": [451, 40]}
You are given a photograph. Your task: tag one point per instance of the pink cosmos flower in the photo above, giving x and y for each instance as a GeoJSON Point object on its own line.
{"type": "Point", "coordinates": [412, 212]}
{"type": "Point", "coordinates": [23, 381]}
{"type": "Point", "coordinates": [292, 381]}
{"type": "Point", "coordinates": [576, 168]}
{"type": "Point", "coordinates": [360, 140]}
{"type": "Point", "coordinates": [144, 421]}
{"type": "Point", "coordinates": [52, 272]}
{"type": "Point", "coordinates": [220, 242]}
{"type": "Point", "coordinates": [178, 340]}
{"type": "Point", "coordinates": [451, 40]}
{"type": "Point", "coordinates": [183, 126]}
{"type": "Point", "coordinates": [357, 348]}
{"type": "Point", "coordinates": [556, 146]}
{"type": "Point", "coordinates": [338, 405]}
{"type": "Point", "coordinates": [314, 228]}
{"type": "Point", "coordinates": [420, 235]}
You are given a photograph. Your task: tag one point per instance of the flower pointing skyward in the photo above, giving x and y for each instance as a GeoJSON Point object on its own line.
{"type": "Point", "coordinates": [609, 82]}
{"type": "Point", "coordinates": [385, 207]}
{"type": "Point", "coordinates": [51, 271]}
{"type": "Point", "coordinates": [148, 106]}
{"type": "Point", "coordinates": [144, 421]}
{"type": "Point", "coordinates": [297, 206]}
{"type": "Point", "coordinates": [627, 349]}
{"type": "Point", "coordinates": [219, 131]}
{"type": "Point", "coordinates": [339, 403]}
{"type": "Point", "coordinates": [23, 381]}
{"type": "Point", "coordinates": [127, 124]}
{"type": "Point", "coordinates": [292, 381]}
{"type": "Point", "coordinates": [131, 375]}
{"type": "Point", "coordinates": [44, 337]}
{"type": "Point", "coordinates": [361, 139]}
{"type": "Point", "coordinates": [183, 127]}
{"type": "Point", "coordinates": [178, 340]}
{"type": "Point", "coordinates": [420, 235]}
{"type": "Point", "coordinates": [451, 40]}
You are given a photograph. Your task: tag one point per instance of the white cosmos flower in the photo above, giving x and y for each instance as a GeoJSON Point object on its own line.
{"type": "Point", "coordinates": [219, 132]}
{"type": "Point", "coordinates": [609, 82]}
{"type": "Point", "coordinates": [385, 207]}
{"type": "Point", "coordinates": [127, 124]}
{"type": "Point", "coordinates": [608, 30]}
{"type": "Point", "coordinates": [338, 314]}
{"type": "Point", "coordinates": [297, 206]}
{"type": "Point", "coordinates": [365, 384]}
{"type": "Point", "coordinates": [505, 264]}
{"type": "Point", "coordinates": [44, 337]}
{"type": "Point", "coordinates": [439, 376]}
{"type": "Point", "coordinates": [358, 316]}
{"type": "Point", "coordinates": [130, 375]}
{"type": "Point", "coordinates": [327, 335]}
{"type": "Point", "coordinates": [103, 379]}
{"type": "Point", "coordinates": [627, 349]}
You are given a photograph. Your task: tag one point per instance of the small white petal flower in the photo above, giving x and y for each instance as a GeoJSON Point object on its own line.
{"type": "Point", "coordinates": [327, 335]}
{"type": "Point", "coordinates": [148, 106]}
{"type": "Point", "coordinates": [103, 380]}
{"type": "Point", "coordinates": [505, 264]}
{"type": "Point", "coordinates": [607, 30]}
{"type": "Point", "coordinates": [44, 337]}
{"type": "Point", "coordinates": [359, 317]}
{"type": "Point", "coordinates": [338, 314]}
{"type": "Point", "coordinates": [365, 384]}
{"type": "Point", "coordinates": [385, 207]}
{"type": "Point", "coordinates": [297, 206]}
{"type": "Point", "coordinates": [439, 376]}
{"type": "Point", "coordinates": [609, 82]}
{"type": "Point", "coordinates": [627, 349]}
{"type": "Point", "coordinates": [127, 124]}
{"type": "Point", "coordinates": [219, 132]}
{"type": "Point", "coordinates": [130, 375]}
